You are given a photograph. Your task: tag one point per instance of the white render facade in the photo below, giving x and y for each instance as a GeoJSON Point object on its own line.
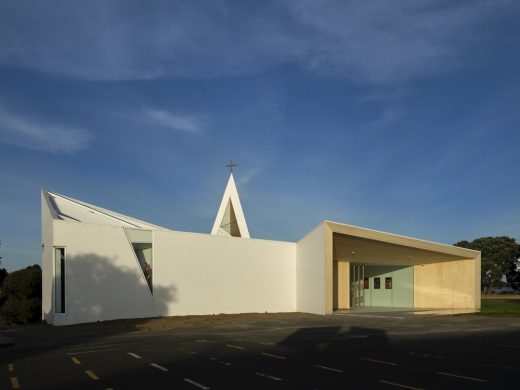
{"type": "Point", "coordinates": [100, 265]}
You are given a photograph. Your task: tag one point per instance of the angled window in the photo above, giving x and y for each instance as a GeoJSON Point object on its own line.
{"type": "Point", "coordinates": [141, 241]}
{"type": "Point", "coordinates": [229, 223]}
{"type": "Point", "coordinates": [59, 280]}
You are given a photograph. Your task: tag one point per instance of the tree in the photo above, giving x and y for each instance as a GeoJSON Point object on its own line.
{"type": "Point", "coordinates": [513, 274]}
{"type": "Point", "coordinates": [498, 253]}
{"type": "Point", "coordinates": [3, 271]}
{"type": "Point", "coordinates": [21, 296]}
{"type": "Point", "coordinates": [3, 275]}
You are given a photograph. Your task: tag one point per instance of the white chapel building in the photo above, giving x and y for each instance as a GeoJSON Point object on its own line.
{"type": "Point", "coordinates": [101, 265]}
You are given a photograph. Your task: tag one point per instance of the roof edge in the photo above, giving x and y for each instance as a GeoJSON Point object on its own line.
{"type": "Point", "coordinates": [449, 248]}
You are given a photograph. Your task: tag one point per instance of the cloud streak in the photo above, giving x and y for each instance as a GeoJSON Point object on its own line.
{"type": "Point", "coordinates": [376, 42]}
{"type": "Point", "coordinates": [42, 136]}
{"type": "Point", "coordinates": [172, 121]}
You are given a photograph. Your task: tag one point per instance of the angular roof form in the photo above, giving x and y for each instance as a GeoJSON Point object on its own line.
{"type": "Point", "coordinates": [68, 209]}
{"type": "Point", "coordinates": [354, 241]}
{"type": "Point", "coordinates": [230, 220]}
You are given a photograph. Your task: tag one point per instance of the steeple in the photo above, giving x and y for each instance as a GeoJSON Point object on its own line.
{"type": "Point", "coordinates": [230, 220]}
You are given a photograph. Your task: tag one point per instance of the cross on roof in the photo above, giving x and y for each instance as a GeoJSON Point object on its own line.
{"type": "Point", "coordinates": [230, 166]}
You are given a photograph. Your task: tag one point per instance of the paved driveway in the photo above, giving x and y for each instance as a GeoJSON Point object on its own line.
{"type": "Point", "coordinates": [332, 352]}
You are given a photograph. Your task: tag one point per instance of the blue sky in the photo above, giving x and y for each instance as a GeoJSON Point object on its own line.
{"type": "Point", "coordinates": [397, 116]}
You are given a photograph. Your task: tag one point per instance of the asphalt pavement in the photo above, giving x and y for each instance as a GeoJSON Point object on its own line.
{"type": "Point", "coordinates": [330, 352]}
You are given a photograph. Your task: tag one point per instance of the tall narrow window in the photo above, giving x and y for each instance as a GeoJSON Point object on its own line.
{"type": "Point", "coordinates": [59, 280]}
{"type": "Point", "coordinates": [141, 241]}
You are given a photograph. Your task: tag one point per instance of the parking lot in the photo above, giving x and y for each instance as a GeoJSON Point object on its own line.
{"type": "Point", "coordinates": [331, 352]}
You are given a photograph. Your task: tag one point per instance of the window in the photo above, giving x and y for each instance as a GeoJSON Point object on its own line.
{"type": "Point", "coordinates": [388, 283]}
{"type": "Point", "coordinates": [377, 283]}
{"type": "Point", "coordinates": [59, 280]}
{"type": "Point", "coordinates": [366, 283]}
{"type": "Point", "coordinates": [141, 241]}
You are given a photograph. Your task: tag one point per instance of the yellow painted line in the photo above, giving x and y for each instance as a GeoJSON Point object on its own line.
{"type": "Point", "coordinates": [75, 360]}
{"type": "Point", "coordinates": [92, 375]}
{"type": "Point", "coordinates": [379, 361]}
{"type": "Point", "coordinates": [14, 382]}
{"type": "Point", "coordinates": [10, 367]}
{"type": "Point", "coordinates": [462, 377]}
{"type": "Point", "coordinates": [328, 368]}
{"type": "Point", "coordinates": [275, 356]}
{"type": "Point", "coordinates": [234, 346]}
{"type": "Point", "coordinates": [400, 385]}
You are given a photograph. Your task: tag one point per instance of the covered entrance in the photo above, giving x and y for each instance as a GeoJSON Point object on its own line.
{"type": "Point", "coordinates": [370, 269]}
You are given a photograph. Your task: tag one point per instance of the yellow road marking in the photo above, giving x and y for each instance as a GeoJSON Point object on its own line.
{"type": "Point", "coordinates": [92, 375]}
{"type": "Point", "coordinates": [328, 368]}
{"type": "Point", "coordinates": [461, 376]}
{"type": "Point", "coordinates": [275, 356]}
{"type": "Point", "coordinates": [10, 367]}
{"type": "Point", "coordinates": [75, 360]}
{"type": "Point", "coordinates": [400, 385]}
{"type": "Point", "coordinates": [234, 346]}
{"type": "Point", "coordinates": [379, 361]}
{"type": "Point", "coordinates": [14, 382]}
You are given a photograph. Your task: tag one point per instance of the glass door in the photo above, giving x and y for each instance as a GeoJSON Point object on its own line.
{"type": "Point", "coordinates": [357, 285]}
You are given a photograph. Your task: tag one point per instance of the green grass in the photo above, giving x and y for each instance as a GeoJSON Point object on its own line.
{"type": "Point", "coordinates": [501, 307]}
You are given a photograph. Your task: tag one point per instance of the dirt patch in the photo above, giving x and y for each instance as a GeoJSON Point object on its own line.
{"type": "Point", "coordinates": [167, 323]}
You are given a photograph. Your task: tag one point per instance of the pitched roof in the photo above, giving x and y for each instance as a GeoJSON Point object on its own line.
{"type": "Point", "coordinates": [69, 209]}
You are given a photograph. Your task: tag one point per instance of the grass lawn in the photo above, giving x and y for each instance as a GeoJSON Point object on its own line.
{"type": "Point", "coordinates": [505, 306]}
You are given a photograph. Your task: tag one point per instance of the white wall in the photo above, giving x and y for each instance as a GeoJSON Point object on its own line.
{"type": "Point", "coordinates": [47, 261]}
{"type": "Point", "coordinates": [192, 274]}
{"type": "Point", "coordinates": [310, 272]}
{"type": "Point", "coordinates": [214, 274]}
{"type": "Point", "coordinates": [103, 280]}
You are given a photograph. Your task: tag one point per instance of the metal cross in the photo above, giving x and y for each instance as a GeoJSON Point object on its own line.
{"type": "Point", "coordinates": [230, 166]}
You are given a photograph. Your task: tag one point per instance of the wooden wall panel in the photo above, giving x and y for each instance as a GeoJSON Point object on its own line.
{"type": "Point", "coordinates": [448, 284]}
{"type": "Point", "coordinates": [341, 297]}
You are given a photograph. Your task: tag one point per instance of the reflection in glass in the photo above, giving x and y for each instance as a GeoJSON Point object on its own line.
{"type": "Point", "coordinates": [59, 280]}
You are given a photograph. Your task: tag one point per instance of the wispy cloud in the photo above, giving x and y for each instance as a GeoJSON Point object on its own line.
{"type": "Point", "coordinates": [163, 118]}
{"type": "Point", "coordinates": [377, 42]}
{"type": "Point", "coordinates": [246, 176]}
{"type": "Point", "coordinates": [41, 135]}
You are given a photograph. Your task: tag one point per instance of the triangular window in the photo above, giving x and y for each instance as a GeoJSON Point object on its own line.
{"type": "Point", "coordinates": [141, 241]}
{"type": "Point", "coordinates": [229, 222]}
